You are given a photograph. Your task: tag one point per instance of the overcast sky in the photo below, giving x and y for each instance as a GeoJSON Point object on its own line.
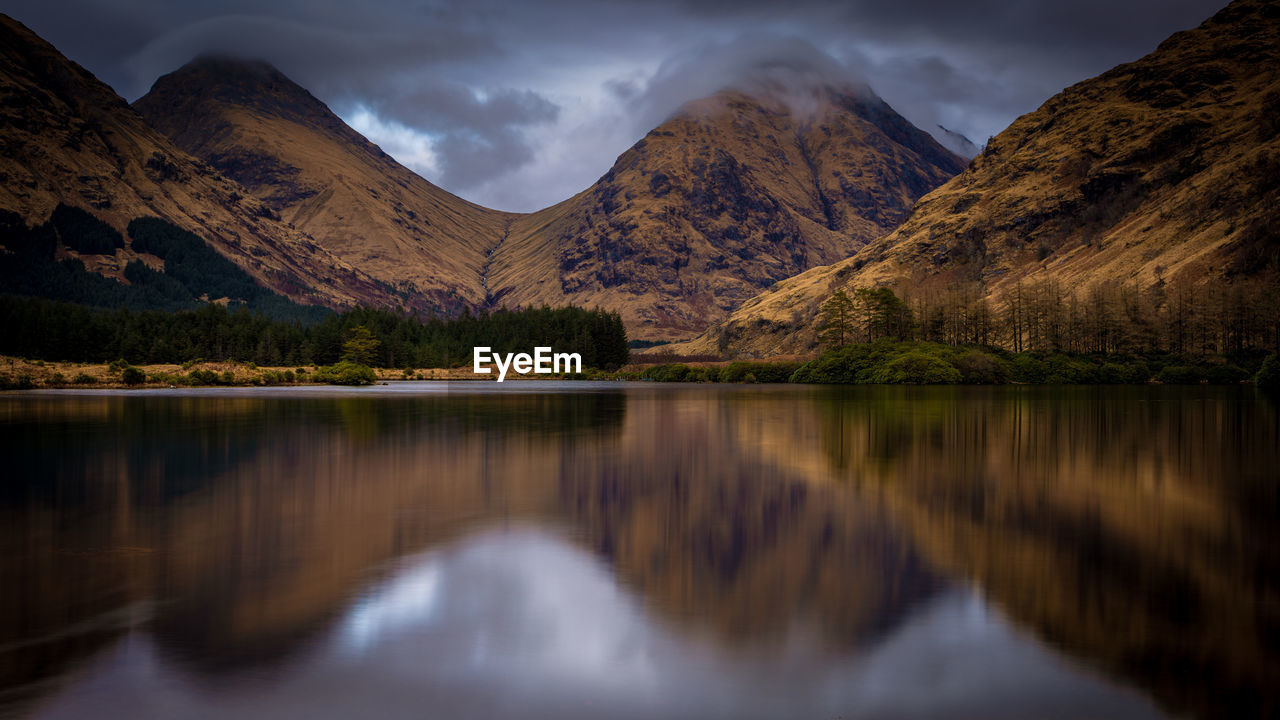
{"type": "Point", "coordinates": [518, 105]}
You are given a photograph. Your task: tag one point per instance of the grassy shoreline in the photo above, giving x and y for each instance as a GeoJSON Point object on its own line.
{"type": "Point", "coordinates": [23, 373]}
{"type": "Point", "coordinates": [881, 362]}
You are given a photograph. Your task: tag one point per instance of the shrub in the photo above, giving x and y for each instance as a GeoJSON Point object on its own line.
{"type": "Point", "coordinates": [1026, 368]}
{"type": "Point", "coordinates": [131, 375]}
{"type": "Point", "coordinates": [846, 365]}
{"type": "Point", "coordinates": [701, 375]}
{"type": "Point", "coordinates": [1066, 370]}
{"type": "Point", "coordinates": [674, 372]}
{"type": "Point", "coordinates": [228, 377]}
{"type": "Point", "coordinates": [23, 382]}
{"type": "Point", "coordinates": [757, 372]}
{"type": "Point", "coordinates": [735, 372]}
{"type": "Point", "coordinates": [165, 378]}
{"type": "Point", "coordinates": [84, 379]}
{"type": "Point", "coordinates": [1268, 377]}
{"type": "Point", "coordinates": [117, 366]}
{"type": "Point", "coordinates": [57, 379]}
{"type": "Point", "coordinates": [917, 368]}
{"type": "Point", "coordinates": [803, 374]}
{"type": "Point", "coordinates": [1119, 372]}
{"type": "Point", "coordinates": [346, 372]}
{"type": "Point", "coordinates": [1136, 372]}
{"type": "Point", "coordinates": [202, 377]}
{"type": "Point", "coordinates": [779, 372]}
{"type": "Point", "coordinates": [1225, 374]}
{"type": "Point", "coordinates": [979, 368]}
{"type": "Point", "coordinates": [1111, 374]}
{"type": "Point", "coordinates": [1180, 375]}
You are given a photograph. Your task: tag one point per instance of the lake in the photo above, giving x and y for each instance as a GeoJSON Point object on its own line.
{"type": "Point", "coordinates": [588, 550]}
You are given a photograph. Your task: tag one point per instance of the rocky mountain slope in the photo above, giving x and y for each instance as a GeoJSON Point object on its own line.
{"type": "Point", "coordinates": [732, 194]}
{"type": "Point", "coordinates": [1162, 170]}
{"type": "Point", "coordinates": [68, 138]}
{"type": "Point", "coordinates": [729, 196]}
{"type": "Point", "coordinates": [290, 151]}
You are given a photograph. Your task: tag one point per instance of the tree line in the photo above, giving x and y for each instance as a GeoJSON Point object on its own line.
{"type": "Point", "coordinates": [1217, 319]}
{"type": "Point", "coordinates": [51, 330]}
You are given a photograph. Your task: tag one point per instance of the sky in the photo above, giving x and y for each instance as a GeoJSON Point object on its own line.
{"type": "Point", "coordinates": [519, 105]}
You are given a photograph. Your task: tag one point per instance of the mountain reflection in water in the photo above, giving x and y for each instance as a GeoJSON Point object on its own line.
{"type": "Point", "coordinates": [583, 550]}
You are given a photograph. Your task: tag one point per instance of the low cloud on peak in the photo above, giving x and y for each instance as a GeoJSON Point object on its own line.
{"type": "Point", "coordinates": [784, 68]}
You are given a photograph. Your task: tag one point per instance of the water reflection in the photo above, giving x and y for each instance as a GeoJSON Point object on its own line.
{"type": "Point", "coordinates": [524, 623]}
{"type": "Point", "coordinates": [641, 551]}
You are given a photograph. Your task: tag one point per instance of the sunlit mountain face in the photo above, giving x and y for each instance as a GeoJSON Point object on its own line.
{"type": "Point", "coordinates": [654, 551]}
{"type": "Point", "coordinates": [1158, 174]}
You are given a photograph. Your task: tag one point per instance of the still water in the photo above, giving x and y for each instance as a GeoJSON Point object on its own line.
{"type": "Point", "coordinates": [634, 551]}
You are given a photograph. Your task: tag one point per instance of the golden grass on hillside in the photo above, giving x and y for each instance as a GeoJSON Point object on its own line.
{"type": "Point", "coordinates": [1158, 171]}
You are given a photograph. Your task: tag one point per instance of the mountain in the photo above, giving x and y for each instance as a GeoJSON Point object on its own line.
{"type": "Point", "coordinates": [1160, 171]}
{"type": "Point", "coordinates": [732, 194]}
{"type": "Point", "coordinates": [68, 139]}
{"type": "Point", "coordinates": [259, 128]}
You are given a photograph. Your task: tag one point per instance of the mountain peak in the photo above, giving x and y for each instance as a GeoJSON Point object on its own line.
{"type": "Point", "coordinates": [256, 126]}
{"type": "Point", "coordinates": [734, 192]}
{"type": "Point", "coordinates": [225, 80]}
{"type": "Point", "coordinates": [1157, 173]}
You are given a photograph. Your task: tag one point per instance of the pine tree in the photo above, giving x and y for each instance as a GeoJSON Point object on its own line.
{"type": "Point", "coordinates": [836, 326]}
{"type": "Point", "coordinates": [361, 346]}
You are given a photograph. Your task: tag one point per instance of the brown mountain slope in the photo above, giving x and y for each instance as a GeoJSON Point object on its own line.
{"type": "Point", "coordinates": [67, 137]}
{"type": "Point", "coordinates": [1164, 169]}
{"type": "Point", "coordinates": [729, 196]}
{"type": "Point", "coordinates": [259, 128]}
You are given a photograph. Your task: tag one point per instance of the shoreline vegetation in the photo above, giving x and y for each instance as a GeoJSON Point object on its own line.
{"type": "Point", "coordinates": [872, 337]}
{"type": "Point", "coordinates": [881, 362]}
{"type": "Point", "coordinates": [919, 362]}
{"type": "Point", "coordinates": [52, 330]}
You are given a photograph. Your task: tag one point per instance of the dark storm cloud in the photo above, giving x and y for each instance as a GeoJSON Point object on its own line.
{"type": "Point", "coordinates": [1083, 24]}
{"type": "Point", "coordinates": [521, 103]}
{"type": "Point", "coordinates": [479, 137]}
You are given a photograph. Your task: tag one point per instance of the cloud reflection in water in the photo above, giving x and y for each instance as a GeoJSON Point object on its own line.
{"type": "Point", "coordinates": [524, 623]}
